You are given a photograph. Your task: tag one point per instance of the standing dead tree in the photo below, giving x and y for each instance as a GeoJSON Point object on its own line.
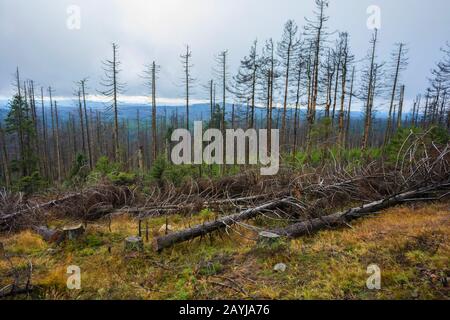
{"type": "Point", "coordinates": [317, 32]}
{"type": "Point", "coordinates": [150, 75]}
{"type": "Point", "coordinates": [370, 88]}
{"type": "Point", "coordinates": [346, 59]}
{"type": "Point", "coordinates": [113, 87]}
{"type": "Point", "coordinates": [246, 80]}
{"type": "Point", "coordinates": [82, 84]}
{"type": "Point", "coordinates": [187, 79]}
{"type": "Point", "coordinates": [286, 50]}
{"type": "Point", "coordinates": [399, 65]}
{"type": "Point", "coordinates": [222, 73]}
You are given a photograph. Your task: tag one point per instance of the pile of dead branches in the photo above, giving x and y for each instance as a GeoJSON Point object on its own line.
{"type": "Point", "coordinates": [92, 203]}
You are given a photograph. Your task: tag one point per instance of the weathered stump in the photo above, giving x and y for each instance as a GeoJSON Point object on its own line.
{"type": "Point", "coordinates": [134, 244]}
{"type": "Point", "coordinates": [73, 232]}
{"type": "Point", "coordinates": [268, 241]}
{"type": "Point", "coordinates": [268, 238]}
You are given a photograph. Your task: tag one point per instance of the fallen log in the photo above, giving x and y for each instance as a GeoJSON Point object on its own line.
{"type": "Point", "coordinates": [163, 242]}
{"type": "Point", "coordinates": [341, 218]}
{"type": "Point", "coordinates": [133, 244]}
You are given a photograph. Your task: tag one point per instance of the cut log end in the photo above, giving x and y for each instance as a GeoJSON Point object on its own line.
{"type": "Point", "coordinates": [73, 232]}
{"type": "Point", "coordinates": [134, 244]}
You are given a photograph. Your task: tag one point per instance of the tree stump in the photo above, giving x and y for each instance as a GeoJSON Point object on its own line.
{"type": "Point", "coordinates": [73, 232]}
{"type": "Point", "coordinates": [2, 250]}
{"type": "Point", "coordinates": [268, 241]}
{"type": "Point", "coordinates": [268, 238]}
{"type": "Point", "coordinates": [134, 244]}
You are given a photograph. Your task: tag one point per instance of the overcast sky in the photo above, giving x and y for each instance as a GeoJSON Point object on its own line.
{"type": "Point", "coordinates": [35, 37]}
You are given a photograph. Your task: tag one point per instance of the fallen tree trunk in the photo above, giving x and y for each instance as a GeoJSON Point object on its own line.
{"type": "Point", "coordinates": [298, 229]}
{"type": "Point", "coordinates": [310, 226]}
{"type": "Point", "coordinates": [200, 230]}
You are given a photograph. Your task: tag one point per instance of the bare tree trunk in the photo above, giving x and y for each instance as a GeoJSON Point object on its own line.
{"type": "Point", "coordinates": [286, 90]}
{"type": "Point", "coordinates": [394, 89]}
{"type": "Point", "coordinates": [20, 126]}
{"type": "Point", "coordinates": [349, 111]}
{"type": "Point", "coordinates": [154, 132]}
{"type": "Point", "coordinates": [58, 150]}
{"type": "Point", "coordinates": [5, 158]}
{"type": "Point", "coordinates": [52, 114]}
{"type": "Point", "coordinates": [88, 134]}
{"type": "Point", "coordinates": [80, 112]}
{"type": "Point", "coordinates": [44, 137]}
{"type": "Point", "coordinates": [317, 59]}
{"type": "Point", "coordinates": [336, 86]}
{"type": "Point", "coordinates": [223, 57]}
{"type": "Point", "coordinates": [310, 113]}
{"type": "Point", "coordinates": [343, 92]}
{"type": "Point", "coordinates": [400, 107]}
{"type": "Point", "coordinates": [297, 105]}
{"type": "Point", "coordinates": [368, 117]}
{"type": "Point", "coordinates": [116, 112]}
{"type": "Point", "coordinates": [425, 114]}
{"type": "Point", "coordinates": [36, 139]}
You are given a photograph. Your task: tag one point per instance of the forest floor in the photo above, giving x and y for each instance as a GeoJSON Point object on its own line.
{"type": "Point", "coordinates": [411, 246]}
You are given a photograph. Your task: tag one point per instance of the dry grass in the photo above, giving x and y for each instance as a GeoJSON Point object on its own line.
{"type": "Point", "coordinates": [410, 245]}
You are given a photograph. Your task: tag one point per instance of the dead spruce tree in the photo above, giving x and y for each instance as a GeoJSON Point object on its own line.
{"type": "Point", "coordinates": [299, 71]}
{"type": "Point", "coordinates": [244, 84]}
{"type": "Point", "coordinates": [399, 63]}
{"type": "Point", "coordinates": [150, 75]}
{"type": "Point", "coordinates": [286, 51]}
{"type": "Point", "coordinates": [113, 87]}
{"type": "Point", "coordinates": [346, 60]}
{"type": "Point", "coordinates": [187, 79]}
{"type": "Point", "coordinates": [268, 76]}
{"type": "Point", "coordinates": [82, 85]}
{"type": "Point", "coordinates": [221, 71]}
{"type": "Point", "coordinates": [316, 31]}
{"type": "Point", "coordinates": [349, 109]}
{"type": "Point", "coordinates": [368, 88]}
